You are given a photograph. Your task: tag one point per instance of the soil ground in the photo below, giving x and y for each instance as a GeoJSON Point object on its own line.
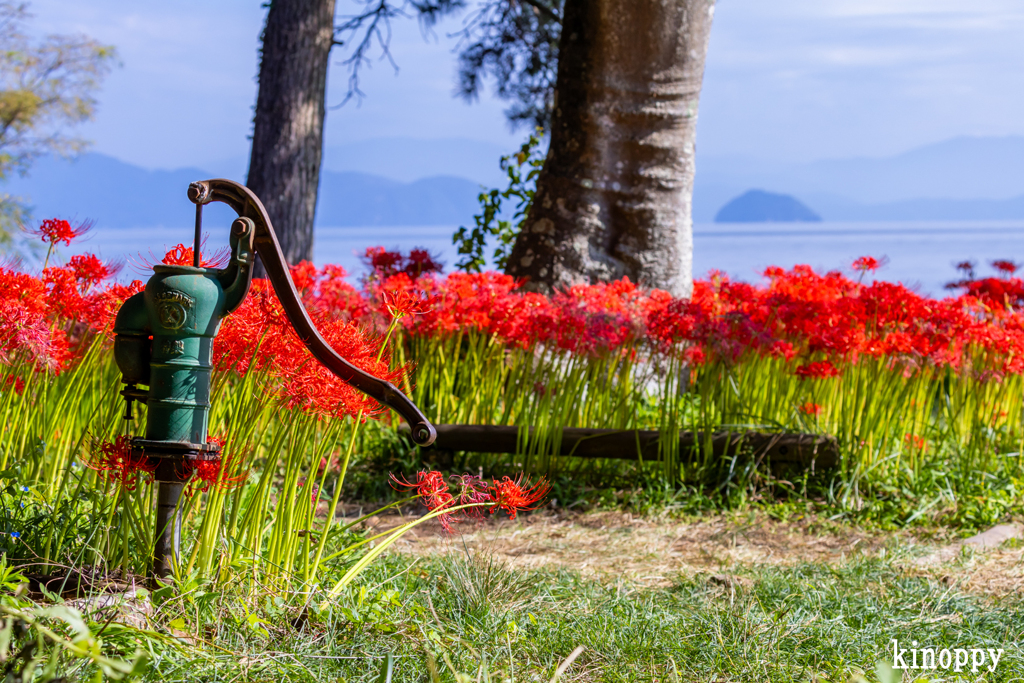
{"type": "Point", "coordinates": [655, 551]}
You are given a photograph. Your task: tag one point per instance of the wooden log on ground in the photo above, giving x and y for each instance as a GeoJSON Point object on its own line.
{"type": "Point", "coordinates": [815, 451]}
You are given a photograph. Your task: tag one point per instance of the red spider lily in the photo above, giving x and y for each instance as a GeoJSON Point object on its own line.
{"type": "Point", "coordinates": [817, 324]}
{"type": "Point", "coordinates": [180, 255]}
{"type": "Point", "coordinates": [310, 386]}
{"type": "Point", "coordinates": [335, 297]}
{"type": "Point", "coordinates": [304, 275]}
{"type": "Point", "coordinates": [812, 409]}
{"type": "Point", "coordinates": [472, 490]}
{"type": "Point", "coordinates": [223, 474]}
{"type": "Point", "coordinates": [1003, 294]}
{"type": "Point", "coordinates": [420, 262]}
{"type": "Point", "coordinates": [967, 269]}
{"type": "Point", "coordinates": [403, 302]}
{"type": "Point", "coordinates": [261, 324]}
{"type": "Point", "coordinates": [867, 263]}
{"type": "Point", "coordinates": [1005, 267]}
{"type": "Point", "coordinates": [103, 306]}
{"type": "Point", "coordinates": [432, 489]}
{"type": "Point", "coordinates": [430, 486]}
{"type": "Point", "coordinates": [517, 495]}
{"type": "Point", "coordinates": [63, 293]}
{"type": "Point", "coordinates": [598, 318]}
{"type": "Point", "coordinates": [17, 384]}
{"type": "Point", "coordinates": [118, 462]}
{"type": "Point", "coordinates": [385, 264]}
{"type": "Point", "coordinates": [26, 329]}
{"type": "Point", "coordinates": [54, 230]}
{"type": "Point", "coordinates": [90, 270]}
{"type": "Point", "coordinates": [817, 370]}
{"type": "Point", "coordinates": [916, 442]}
{"type": "Point", "coordinates": [512, 495]}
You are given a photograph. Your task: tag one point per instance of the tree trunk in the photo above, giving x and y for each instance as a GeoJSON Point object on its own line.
{"type": "Point", "coordinates": [287, 140]}
{"type": "Point", "coordinates": [614, 195]}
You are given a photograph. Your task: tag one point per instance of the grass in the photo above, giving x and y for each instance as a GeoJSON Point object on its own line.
{"type": "Point", "coordinates": [475, 618]}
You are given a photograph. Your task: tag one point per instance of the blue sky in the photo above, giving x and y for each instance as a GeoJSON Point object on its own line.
{"type": "Point", "coordinates": [790, 80]}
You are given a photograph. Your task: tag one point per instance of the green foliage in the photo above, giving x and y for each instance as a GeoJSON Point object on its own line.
{"type": "Point", "coordinates": [522, 169]}
{"type": "Point", "coordinates": [459, 619]}
{"type": "Point", "coordinates": [52, 643]}
{"type": "Point", "coordinates": [45, 87]}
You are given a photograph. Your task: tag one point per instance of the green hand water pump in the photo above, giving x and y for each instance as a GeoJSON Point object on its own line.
{"type": "Point", "coordinates": [163, 340]}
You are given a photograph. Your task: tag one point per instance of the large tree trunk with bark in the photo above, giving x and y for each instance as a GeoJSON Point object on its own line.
{"type": "Point", "coordinates": [287, 141]}
{"type": "Point", "coordinates": [614, 195]}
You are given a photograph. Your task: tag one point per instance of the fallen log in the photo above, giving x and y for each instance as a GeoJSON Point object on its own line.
{"type": "Point", "coordinates": [814, 451]}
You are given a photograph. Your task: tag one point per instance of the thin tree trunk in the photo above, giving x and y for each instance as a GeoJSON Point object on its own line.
{"type": "Point", "coordinates": [614, 195]}
{"type": "Point", "coordinates": [287, 141]}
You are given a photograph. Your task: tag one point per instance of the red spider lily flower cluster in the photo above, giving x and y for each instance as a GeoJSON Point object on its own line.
{"type": "Point", "coordinates": [823, 322]}
{"type": "Point", "coordinates": [258, 336]}
{"type": "Point", "coordinates": [44, 319]}
{"type": "Point", "coordinates": [1005, 267]}
{"type": "Point", "coordinates": [915, 442]}
{"type": "Point", "coordinates": [118, 462]}
{"type": "Point", "coordinates": [223, 475]}
{"type": "Point", "coordinates": [54, 230]}
{"type": "Point", "coordinates": [818, 324]}
{"type": "Point", "coordinates": [385, 264]}
{"type": "Point", "coordinates": [811, 409]}
{"type": "Point", "coordinates": [26, 332]}
{"type": "Point", "coordinates": [817, 370]}
{"type": "Point", "coordinates": [482, 497]}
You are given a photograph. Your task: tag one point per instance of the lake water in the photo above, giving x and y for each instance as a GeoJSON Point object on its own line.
{"type": "Point", "coordinates": [920, 254]}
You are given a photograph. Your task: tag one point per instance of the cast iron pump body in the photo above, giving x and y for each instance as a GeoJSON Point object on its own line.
{"type": "Point", "coordinates": [164, 336]}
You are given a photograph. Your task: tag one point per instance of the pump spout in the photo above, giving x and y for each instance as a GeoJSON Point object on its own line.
{"type": "Point", "coordinates": [248, 206]}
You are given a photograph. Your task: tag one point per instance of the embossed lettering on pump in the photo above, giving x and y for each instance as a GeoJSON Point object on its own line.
{"type": "Point", "coordinates": [172, 308]}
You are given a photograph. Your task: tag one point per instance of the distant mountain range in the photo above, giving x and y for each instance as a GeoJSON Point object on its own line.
{"type": "Point", "coordinates": [402, 181]}
{"type": "Point", "coordinates": [401, 158]}
{"type": "Point", "coordinates": [120, 195]}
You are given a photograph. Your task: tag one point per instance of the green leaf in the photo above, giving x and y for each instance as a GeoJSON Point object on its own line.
{"type": "Point", "coordinates": [387, 669]}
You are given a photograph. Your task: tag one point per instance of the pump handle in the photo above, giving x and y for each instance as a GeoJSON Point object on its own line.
{"type": "Point", "coordinates": [247, 205]}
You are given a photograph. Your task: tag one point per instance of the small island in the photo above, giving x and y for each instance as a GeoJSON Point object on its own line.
{"type": "Point", "coordinates": [758, 206]}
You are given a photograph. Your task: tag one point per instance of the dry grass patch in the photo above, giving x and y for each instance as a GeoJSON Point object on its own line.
{"type": "Point", "coordinates": [646, 550]}
{"type": "Point", "coordinates": [653, 551]}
